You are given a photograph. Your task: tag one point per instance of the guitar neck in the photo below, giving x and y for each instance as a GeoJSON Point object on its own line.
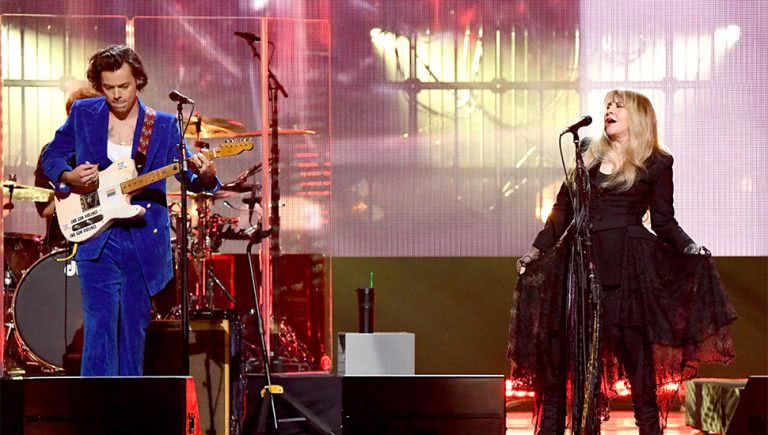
{"type": "Point", "coordinates": [144, 180]}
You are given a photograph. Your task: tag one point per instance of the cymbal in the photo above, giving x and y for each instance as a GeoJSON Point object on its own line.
{"type": "Point", "coordinates": [222, 128]}
{"type": "Point", "coordinates": [280, 131]}
{"type": "Point", "coordinates": [214, 128]}
{"type": "Point", "coordinates": [221, 194]}
{"type": "Point", "coordinates": [22, 192]}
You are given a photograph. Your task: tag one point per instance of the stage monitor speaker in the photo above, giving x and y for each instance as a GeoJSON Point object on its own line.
{"type": "Point", "coordinates": [320, 393]}
{"type": "Point", "coordinates": [62, 405]}
{"type": "Point", "coordinates": [214, 363]}
{"type": "Point", "coordinates": [423, 405]}
{"type": "Point", "coordinates": [750, 417]}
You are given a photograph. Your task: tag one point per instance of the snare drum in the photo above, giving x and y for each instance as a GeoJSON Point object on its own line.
{"type": "Point", "coordinates": [48, 311]}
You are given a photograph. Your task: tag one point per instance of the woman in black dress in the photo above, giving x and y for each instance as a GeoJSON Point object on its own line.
{"type": "Point", "coordinates": [664, 310]}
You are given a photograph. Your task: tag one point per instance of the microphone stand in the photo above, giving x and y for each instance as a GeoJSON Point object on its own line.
{"type": "Point", "coordinates": [183, 263]}
{"type": "Point", "coordinates": [584, 307]}
{"type": "Point", "coordinates": [270, 393]}
{"type": "Point", "coordinates": [274, 88]}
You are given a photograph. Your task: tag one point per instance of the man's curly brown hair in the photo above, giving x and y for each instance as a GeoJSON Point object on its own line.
{"type": "Point", "coordinates": [112, 59]}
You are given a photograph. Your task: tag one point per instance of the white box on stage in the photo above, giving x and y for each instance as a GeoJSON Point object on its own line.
{"type": "Point", "coordinates": [376, 353]}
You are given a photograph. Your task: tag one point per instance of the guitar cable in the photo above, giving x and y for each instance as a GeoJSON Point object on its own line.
{"type": "Point", "coordinates": [68, 257]}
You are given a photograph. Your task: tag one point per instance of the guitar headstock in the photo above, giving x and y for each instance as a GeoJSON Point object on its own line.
{"type": "Point", "coordinates": [234, 147]}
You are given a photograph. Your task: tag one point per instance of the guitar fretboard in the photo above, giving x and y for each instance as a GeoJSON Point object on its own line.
{"type": "Point", "coordinates": [144, 180]}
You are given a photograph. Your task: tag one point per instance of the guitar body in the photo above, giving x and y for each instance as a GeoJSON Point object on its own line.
{"type": "Point", "coordinates": [83, 213]}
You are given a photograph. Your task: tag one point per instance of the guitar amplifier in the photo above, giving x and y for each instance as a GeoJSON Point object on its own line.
{"type": "Point", "coordinates": [214, 363]}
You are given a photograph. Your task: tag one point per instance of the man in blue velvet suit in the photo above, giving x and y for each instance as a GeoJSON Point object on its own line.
{"type": "Point", "coordinates": [122, 267]}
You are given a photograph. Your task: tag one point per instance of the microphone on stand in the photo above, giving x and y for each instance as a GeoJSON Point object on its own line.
{"type": "Point", "coordinates": [583, 122]}
{"type": "Point", "coordinates": [250, 37]}
{"type": "Point", "coordinates": [180, 98]}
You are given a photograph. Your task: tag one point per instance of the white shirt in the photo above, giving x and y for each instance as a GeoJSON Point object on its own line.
{"type": "Point", "coordinates": [117, 152]}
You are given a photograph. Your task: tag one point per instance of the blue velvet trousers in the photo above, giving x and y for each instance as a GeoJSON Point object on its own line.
{"type": "Point", "coordinates": [116, 309]}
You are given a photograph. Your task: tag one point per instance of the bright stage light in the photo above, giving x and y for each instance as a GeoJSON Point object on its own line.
{"type": "Point", "coordinates": [545, 200]}
{"type": "Point", "coordinates": [258, 4]}
{"type": "Point", "coordinates": [510, 391]}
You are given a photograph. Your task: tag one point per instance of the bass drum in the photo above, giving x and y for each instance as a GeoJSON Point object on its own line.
{"type": "Point", "coordinates": [48, 312]}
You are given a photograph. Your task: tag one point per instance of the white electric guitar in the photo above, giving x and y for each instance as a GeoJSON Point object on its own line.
{"type": "Point", "coordinates": [85, 213]}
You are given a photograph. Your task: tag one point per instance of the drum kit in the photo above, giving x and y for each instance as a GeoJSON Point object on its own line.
{"type": "Point", "coordinates": [42, 298]}
{"type": "Point", "coordinates": [41, 295]}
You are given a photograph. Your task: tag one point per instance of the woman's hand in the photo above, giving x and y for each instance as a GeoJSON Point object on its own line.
{"type": "Point", "coordinates": [526, 259]}
{"type": "Point", "coordinates": [694, 249]}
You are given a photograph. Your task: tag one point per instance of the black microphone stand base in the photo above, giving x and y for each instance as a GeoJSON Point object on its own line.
{"type": "Point", "coordinates": [276, 394]}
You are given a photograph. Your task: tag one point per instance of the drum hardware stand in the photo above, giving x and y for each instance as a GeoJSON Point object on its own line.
{"type": "Point", "coordinates": [17, 368]}
{"type": "Point", "coordinates": [271, 392]}
{"type": "Point", "coordinates": [214, 280]}
{"type": "Point", "coordinates": [207, 230]}
{"type": "Point", "coordinates": [201, 298]}
{"type": "Point", "coordinates": [9, 328]}
{"type": "Point", "coordinates": [9, 205]}
{"type": "Point", "coordinates": [9, 280]}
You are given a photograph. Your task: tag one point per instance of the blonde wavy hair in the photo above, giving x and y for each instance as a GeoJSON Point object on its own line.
{"type": "Point", "coordinates": [643, 140]}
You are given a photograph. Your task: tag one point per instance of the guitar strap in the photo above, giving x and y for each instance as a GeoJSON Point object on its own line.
{"type": "Point", "coordinates": [146, 133]}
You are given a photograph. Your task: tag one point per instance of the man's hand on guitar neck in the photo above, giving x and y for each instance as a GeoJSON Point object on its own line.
{"type": "Point", "coordinates": [84, 175]}
{"type": "Point", "coordinates": [204, 167]}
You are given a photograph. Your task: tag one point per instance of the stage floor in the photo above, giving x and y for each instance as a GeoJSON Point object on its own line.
{"type": "Point", "coordinates": [621, 423]}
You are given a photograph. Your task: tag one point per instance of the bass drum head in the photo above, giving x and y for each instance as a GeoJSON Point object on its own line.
{"type": "Point", "coordinates": [48, 310]}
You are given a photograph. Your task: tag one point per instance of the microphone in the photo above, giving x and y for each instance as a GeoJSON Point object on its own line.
{"type": "Point", "coordinates": [178, 97]}
{"type": "Point", "coordinates": [583, 122]}
{"type": "Point", "coordinates": [250, 37]}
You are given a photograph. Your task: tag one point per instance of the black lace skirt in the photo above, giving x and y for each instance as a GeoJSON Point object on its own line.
{"type": "Point", "coordinates": [675, 301]}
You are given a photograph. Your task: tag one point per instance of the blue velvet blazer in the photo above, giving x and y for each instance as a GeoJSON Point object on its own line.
{"type": "Point", "coordinates": [84, 137]}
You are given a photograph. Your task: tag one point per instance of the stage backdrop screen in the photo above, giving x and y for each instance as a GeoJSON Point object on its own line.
{"type": "Point", "coordinates": [435, 122]}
